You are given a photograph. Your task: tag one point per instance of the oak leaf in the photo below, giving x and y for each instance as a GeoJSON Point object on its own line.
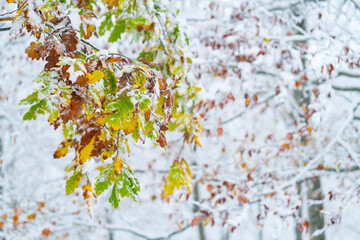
{"type": "Point", "coordinates": [85, 153]}
{"type": "Point", "coordinates": [95, 76]}
{"type": "Point", "coordinates": [46, 232]}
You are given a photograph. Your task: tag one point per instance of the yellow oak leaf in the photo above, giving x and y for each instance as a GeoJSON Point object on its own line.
{"type": "Point", "coordinates": [118, 164]}
{"type": "Point", "coordinates": [95, 76]}
{"type": "Point", "coordinates": [62, 151]}
{"type": "Point", "coordinates": [129, 126]}
{"type": "Point", "coordinates": [86, 151]}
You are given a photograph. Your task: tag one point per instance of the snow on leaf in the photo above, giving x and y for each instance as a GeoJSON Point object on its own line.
{"type": "Point", "coordinates": [104, 179]}
{"type": "Point", "coordinates": [129, 184]}
{"type": "Point", "coordinates": [37, 108]}
{"type": "Point", "coordinates": [122, 105]}
{"type": "Point", "coordinates": [34, 51]}
{"type": "Point", "coordinates": [177, 177]}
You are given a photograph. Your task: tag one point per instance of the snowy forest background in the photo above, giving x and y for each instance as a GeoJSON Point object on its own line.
{"type": "Point", "coordinates": [274, 150]}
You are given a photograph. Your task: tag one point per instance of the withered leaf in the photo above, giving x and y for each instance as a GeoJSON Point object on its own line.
{"type": "Point", "coordinates": [162, 140]}
{"type": "Point", "coordinates": [34, 51]}
{"type": "Point", "coordinates": [63, 150]}
{"type": "Point", "coordinates": [82, 80]}
{"type": "Point", "coordinates": [74, 110]}
{"type": "Point", "coordinates": [70, 41]}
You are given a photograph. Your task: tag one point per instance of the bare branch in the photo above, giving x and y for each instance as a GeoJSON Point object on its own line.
{"type": "Point", "coordinates": [346, 89]}
{"type": "Point", "coordinates": [243, 112]}
{"type": "Point", "coordinates": [347, 74]}
{"type": "Point", "coordinates": [5, 19]}
{"type": "Point", "coordinates": [349, 150]}
{"type": "Point", "coordinates": [113, 228]}
{"type": "Point", "coordinates": [5, 29]}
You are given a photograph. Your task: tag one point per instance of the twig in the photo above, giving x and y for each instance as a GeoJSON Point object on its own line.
{"type": "Point", "coordinates": [15, 9]}
{"type": "Point", "coordinates": [87, 43]}
{"type": "Point", "coordinates": [118, 142]}
{"type": "Point", "coordinates": [243, 112]}
{"type": "Point", "coordinates": [349, 150]}
{"type": "Point", "coordinates": [353, 75]}
{"type": "Point", "coordinates": [161, 41]}
{"type": "Point", "coordinates": [347, 89]}
{"type": "Point", "coordinates": [5, 29]}
{"type": "Point", "coordinates": [6, 19]}
{"type": "Point", "coordinates": [97, 49]}
{"type": "Point", "coordinates": [150, 170]}
{"type": "Point", "coordinates": [113, 228]}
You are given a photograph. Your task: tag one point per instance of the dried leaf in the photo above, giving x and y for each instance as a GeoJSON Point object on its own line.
{"type": "Point", "coordinates": [196, 220]}
{"type": "Point", "coordinates": [46, 232]}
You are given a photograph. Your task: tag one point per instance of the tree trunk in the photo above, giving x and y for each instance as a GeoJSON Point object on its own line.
{"type": "Point", "coordinates": [297, 232]}
{"type": "Point", "coordinates": [196, 209]}
{"type": "Point", "coordinates": [316, 220]}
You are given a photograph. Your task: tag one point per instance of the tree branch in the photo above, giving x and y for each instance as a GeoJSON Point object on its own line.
{"type": "Point", "coordinates": [150, 170]}
{"type": "Point", "coordinates": [113, 228]}
{"type": "Point", "coordinates": [5, 29]}
{"type": "Point", "coordinates": [346, 89]}
{"type": "Point", "coordinates": [349, 150]}
{"type": "Point", "coordinates": [242, 113]}
{"type": "Point", "coordinates": [6, 19]}
{"type": "Point", "coordinates": [347, 74]}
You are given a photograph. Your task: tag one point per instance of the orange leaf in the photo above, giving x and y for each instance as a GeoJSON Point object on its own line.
{"type": "Point", "coordinates": [31, 216]}
{"type": "Point", "coordinates": [196, 220]}
{"type": "Point", "coordinates": [330, 68]}
{"type": "Point", "coordinates": [247, 102]}
{"type": "Point", "coordinates": [306, 224]}
{"type": "Point", "coordinates": [197, 141]}
{"type": "Point", "coordinates": [220, 130]}
{"type": "Point", "coordinates": [34, 51]}
{"type": "Point", "coordinates": [310, 130]}
{"type": "Point", "coordinates": [242, 199]}
{"type": "Point", "coordinates": [16, 220]}
{"type": "Point", "coordinates": [46, 232]}
{"type": "Point", "coordinates": [284, 147]}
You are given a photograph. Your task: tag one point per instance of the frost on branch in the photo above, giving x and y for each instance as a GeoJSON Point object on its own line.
{"type": "Point", "coordinates": [100, 100]}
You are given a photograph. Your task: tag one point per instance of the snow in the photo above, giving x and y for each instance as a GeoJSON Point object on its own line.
{"type": "Point", "coordinates": [29, 174]}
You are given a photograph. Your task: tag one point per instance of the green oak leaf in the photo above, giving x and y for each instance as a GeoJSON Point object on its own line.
{"type": "Point", "coordinates": [104, 179]}
{"type": "Point", "coordinates": [73, 182]}
{"type": "Point", "coordinates": [119, 29]}
{"type": "Point", "coordinates": [114, 197]}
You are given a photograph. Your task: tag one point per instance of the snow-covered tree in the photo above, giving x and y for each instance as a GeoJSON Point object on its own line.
{"type": "Point", "coordinates": [239, 115]}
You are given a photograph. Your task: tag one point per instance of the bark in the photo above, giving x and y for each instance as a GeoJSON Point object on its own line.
{"type": "Point", "coordinates": [196, 209]}
{"type": "Point", "coordinates": [297, 232]}
{"type": "Point", "coordinates": [316, 220]}
{"type": "Point", "coordinates": [314, 191]}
